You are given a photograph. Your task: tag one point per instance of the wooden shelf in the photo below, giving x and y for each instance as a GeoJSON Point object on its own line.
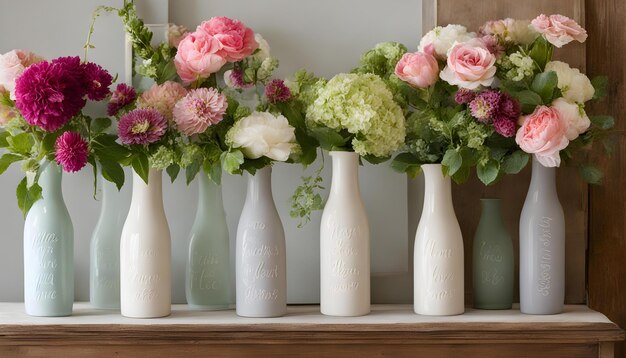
{"type": "Point", "coordinates": [392, 330]}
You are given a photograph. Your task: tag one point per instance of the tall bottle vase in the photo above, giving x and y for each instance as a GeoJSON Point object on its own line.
{"type": "Point", "coordinates": [438, 257]}
{"type": "Point", "coordinates": [145, 252]}
{"type": "Point", "coordinates": [49, 250]}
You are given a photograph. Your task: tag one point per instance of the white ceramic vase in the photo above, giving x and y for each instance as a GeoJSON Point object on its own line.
{"type": "Point", "coordinates": [145, 252]}
{"type": "Point", "coordinates": [438, 260]}
{"type": "Point", "coordinates": [345, 243]}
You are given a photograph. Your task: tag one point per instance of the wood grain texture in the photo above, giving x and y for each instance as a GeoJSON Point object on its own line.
{"type": "Point", "coordinates": [573, 192]}
{"type": "Point", "coordinates": [606, 48]}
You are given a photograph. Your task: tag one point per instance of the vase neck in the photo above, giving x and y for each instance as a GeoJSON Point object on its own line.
{"type": "Point", "coordinates": [260, 187]}
{"type": "Point", "coordinates": [437, 189]}
{"type": "Point", "coordinates": [151, 193]}
{"type": "Point", "coordinates": [345, 174]}
{"type": "Point", "coordinates": [490, 210]}
{"type": "Point", "coordinates": [50, 181]}
{"type": "Point", "coordinates": [210, 194]}
{"type": "Point", "coordinates": [543, 178]}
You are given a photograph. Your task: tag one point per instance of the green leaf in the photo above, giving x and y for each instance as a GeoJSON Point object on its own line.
{"type": "Point", "coordinates": [231, 161]}
{"type": "Point", "coordinates": [541, 52]}
{"type": "Point", "coordinates": [105, 147]}
{"type": "Point", "coordinates": [173, 171]}
{"type": "Point", "coordinates": [461, 175]}
{"type": "Point", "coordinates": [192, 170]}
{"type": "Point", "coordinates": [3, 139]}
{"type": "Point", "coordinates": [113, 172]}
{"type": "Point", "coordinates": [7, 159]}
{"type": "Point", "coordinates": [515, 162]}
{"type": "Point", "coordinates": [328, 138]}
{"type": "Point", "coordinates": [488, 173]}
{"type": "Point", "coordinates": [603, 122]}
{"type": "Point", "coordinates": [600, 84]}
{"type": "Point", "coordinates": [141, 165]}
{"type": "Point", "coordinates": [26, 197]}
{"type": "Point", "coordinates": [406, 163]}
{"type": "Point", "coordinates": [21, 143]}
{"type": "Point", "coordinates": [99, 125]}
{"type": "Point", "coordinates": [591, 174]}
{"type": "Point", "coordinates": [452, 160]}
{"type": "Point", "coordinates": [49, 141]}
{"type": "Point", "coordinates": [375, 160]}
{"type": "Point", "coordinates": [528, 99]}
{"type": "Point", "coordinates": [544, 85]}
{"type": "Point", "coordinates": [213, 171]}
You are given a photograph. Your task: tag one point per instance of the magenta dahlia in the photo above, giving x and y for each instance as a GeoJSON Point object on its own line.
{"type": "Point", "coordinates": [121, 97]}
{"type": "Point", "coordinates": [276, 91]}
{"type": "Point", "coordinates": [142, 126]}
{"type": "Point", "coordinates": [485, 106]}
{"type": "Point", "coordinates": [72, 151]}
{"type": "Point", "coordinates": [509, 107]}
{"type": "Point", "coordinates": [464, 96]}
{"type": "Point", "coordinates": [505, 127]}
{"type": "Point", "coordinates": [98, 81]}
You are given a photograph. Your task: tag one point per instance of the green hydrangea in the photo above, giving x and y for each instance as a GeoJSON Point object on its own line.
{"type": "Point", "coordinates": [304, 85]}
{"type": "Point", "coordinates": [382, 59]}
{"type": "Point", "coordinates": [362, 105]}
{"type": "Point", "coordinates": [517, 66]}
{"type": "Point", "coordinates": [162, 158]}
{"type": "Point", "coordinates": [190, 153]}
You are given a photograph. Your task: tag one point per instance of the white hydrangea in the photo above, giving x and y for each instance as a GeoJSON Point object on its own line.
{"type": "Point", "coordinates": [574, 114]}
{"type": "Point", "coordinates": [363, 105]}
{"type": "Point", "coordinates": [262, 134]}
{"type": "Point", "coordinates": [524, 65]}
{"type": "Point", "coordinates": [575, 86]}
{"type": "Point", "coordinates": [443, 38]}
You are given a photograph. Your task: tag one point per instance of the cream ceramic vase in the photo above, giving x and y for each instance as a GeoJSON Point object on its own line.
{"type": "Point", "coordinates": [438, 261]}
{"type": "Point", "coordinates": [345, 243]}
{"type": "Point", "coordinates": [145, 252]}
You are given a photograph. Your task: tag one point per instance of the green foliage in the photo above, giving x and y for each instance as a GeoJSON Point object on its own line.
{"type": "Point", "coordinates": [406, 163]}
{"type": "Point", "coordinates": [591, 174]}
{"type": "Point", "coordinates": [488, 172]}
{"type": "Point", "coordinates": [141, 166]}
{"type": "Point", "coordinates": [27, 196]}
{"type": "Point", "coordinates": [602, 122]}
{"type": "Point", "coordinates": [7, 159]}
{"type": "Point", "coordinates": [232, 161]}
{"type": "Point", "coordinates": [541, 52]}
{"type": "Point", "coordinates": [600, 84]}
{"type": "Point", "coordinates": [544, 84]}
{"type": "Point", "coordinates": [514, 163]}
{"type": "Point", "coordinates": [307, 198]}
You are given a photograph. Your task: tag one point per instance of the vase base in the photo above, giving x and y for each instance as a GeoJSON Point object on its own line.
{"type": "Point", "coordinates": [146, 316]}
{"type": "Point", "coordinates": [41, 314]}
{"type": "Point", "coordinates": [443, 314]}
{"type": "Point", "coordinates": [99, 306]}
{"type": "Point", "coordinates": [259, 315]}
{"type": "Point", "coordinates": [494, 307]}
{"type": "Point", "coordinates": [549, 313]}
{"type": "Point", "coordinates": [208, 307]}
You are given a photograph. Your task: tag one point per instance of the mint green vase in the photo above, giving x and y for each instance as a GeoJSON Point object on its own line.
{"type": "Point", "coordinates": [208, 264]}
{"type": "Point", "coordinates": [493, 260]}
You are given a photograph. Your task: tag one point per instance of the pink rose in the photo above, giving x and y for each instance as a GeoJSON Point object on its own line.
{"type": "Point", "coordinates": [469, 65]}
{"type": "Point", "coordinates": [162, 97]}
{"type": "Point", "coordinates": [558, 29]}
{"type": "Point", "coordinates": [198, 56]}
{"type": "Point", "coordinates": [418, 69]}
{"type": "Point", "coordinates": [12, 64]}
{"type": "Point", "coordinates": [236, 40]}
{"type": "Point", "coordinates": [543, 133]}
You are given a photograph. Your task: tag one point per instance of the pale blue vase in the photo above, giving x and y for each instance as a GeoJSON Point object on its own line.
{"type": "Point", "coordinates": [208, 263]}
{"type": "Point", "coordinates": [49, 250]}
{"type": "Point", "coordinates": [104, 270]}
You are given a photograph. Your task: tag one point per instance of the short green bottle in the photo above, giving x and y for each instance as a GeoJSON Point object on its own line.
{"type": "Point", "coordinates": [493, 260]}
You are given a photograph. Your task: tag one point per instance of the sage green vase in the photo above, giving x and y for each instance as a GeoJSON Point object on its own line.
{"type": "Point", "coordinates": [493, 260]}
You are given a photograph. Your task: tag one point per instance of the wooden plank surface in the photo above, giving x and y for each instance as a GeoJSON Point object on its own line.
{"type": "Point", "coordinates": [572, 190]}
{"type": "Point", "coordinates": [606, 47]}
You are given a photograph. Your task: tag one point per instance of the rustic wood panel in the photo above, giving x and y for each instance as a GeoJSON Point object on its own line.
{"type": "Point", "coordinates": [572, 190]}
{"type": "Point", "coordinates": [607, 238]}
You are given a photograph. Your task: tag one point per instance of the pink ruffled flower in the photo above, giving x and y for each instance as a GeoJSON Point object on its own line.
{"type": "Point", "coordinates": [141, 126]}
{"type": "Point", "coordinates": [198, 110]}
{"type": "Point", "coordinates": [469, 65]}
{"type": "Point", "coordinates": [121, 97]}
{"type": "Point", "coordinates": [485, 106]}
{"type": "Point", "coordinates": [175, 34]}
{"type": "Point", "coordinates": [276, 91]}
{"type": "Point", "coordinates": [236, 40]}
{"type": "Point", "coordinates": [504, 127]}
{"type": "Point", "coordinates": [198, 56]}
{"type": "Point", "coordinates": [419, 69]}
{"type": "Point", "coordinates": [162, 97]}
{"type": "Point", "coordinates": [543, 133]}
{"type": "Point", "coordinates": [12, 65]}
{"type": "Point", "coordinates": [559, 30]}
{"type": "Point", "coordinates": [72, 151]}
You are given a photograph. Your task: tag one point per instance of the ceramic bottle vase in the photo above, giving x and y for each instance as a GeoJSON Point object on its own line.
{"type": "Point", "coordinates": [438, 261]}
{"type": "Point", "coordinates": [542, 245]}
{"type": "Point", "coordinates": [261, 272]}
{"type": "Point", "coordinates": [49, 250]}
{"type": "Point", "coordinates": [208, 263]}
{"type": "Point", "coordinates": [104, 271]}
{"type": "Point", "coordinates": [345, 243]}
{"type": "Point", "coordinates": [145, 252]}
{"type": "Point", "coordinates": [493, 260]}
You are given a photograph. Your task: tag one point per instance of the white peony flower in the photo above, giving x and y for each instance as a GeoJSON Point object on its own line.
{"type": "Point", "coordinates": [264, 47]}
{"type": "Point", "coordinates": [575, 86]}
{"type": "Point", "coordinates": [263, 134]}
{"type": "Point", "coordinates": [575, 117]}
{"type": "Point", "coordinates": [443, 38]}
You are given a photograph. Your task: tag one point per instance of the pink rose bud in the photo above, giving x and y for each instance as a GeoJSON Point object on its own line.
{"type": "Point", "coordinates": [559, 30]}
{"type": "Point", "coordinates": [543, 133]}
{"type": "Point", "coordinates": [418, 69]}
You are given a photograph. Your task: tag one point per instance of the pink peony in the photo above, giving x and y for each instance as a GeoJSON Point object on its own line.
{"type": "Point", "coordinates": [121, 97]}
{"type": "Point", "coordinates": [236, 40]}
{"type": "Point", "coordinates": [469, 65]}
{"type": "Point", "coordinates": [198, 56]}
{"type": "Point", "coordinates": [12, 64]}
{"type": "Point", "coordinates": [418, 69]}
{"type": "Point", "coordinates": [175, 34]}
{"type": "Point", "coordinates": [162, 97]}
{"type": "Point", "coordinates": [559, 30]}
{"type": "Point", "coordinates": [141, 126]}
{"type": "Point", "coordinates": [198, 110]}
{"type": "Point", "coordinates": [543, 133]}
{"type": "Point", "coordinates": [72, 151]}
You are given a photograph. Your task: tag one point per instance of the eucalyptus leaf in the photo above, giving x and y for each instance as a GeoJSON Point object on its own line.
{"type": "Point", "coordinates": [488, 173]}
{"type": "Point", "coordinates": [515, 162]}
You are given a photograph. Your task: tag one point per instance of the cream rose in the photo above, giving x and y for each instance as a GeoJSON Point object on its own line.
{"type": "Point", "coordinates": [443, 38]}
{"type": "Point", "coordinates": [575, 86]}
{"type": "Point", "coordinates": [575, 117]}
{"type": "Point", "coordinates": [262, 134]}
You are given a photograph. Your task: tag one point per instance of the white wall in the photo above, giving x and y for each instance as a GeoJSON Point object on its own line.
{"type": "Point", "coordinates": [326, 36]}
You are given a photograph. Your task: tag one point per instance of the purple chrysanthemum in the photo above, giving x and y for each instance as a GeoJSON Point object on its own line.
{"type": "Point", "coordinates": [464, 95]}
{"type": "Point", "coordinates": [485, 106]}
{"type": "Point", "coordinates": [121, 97]}
{"type": "Point", "coordinates": [504, 126]}
{"type": "Point", "coordinates": [509, 107]}
{"type": "Point", "coordinates": [142, 126]}
{"type": "Point", "coordinates": [276, 91]}
{"type": "Point", "coordinates": [98, 81]}
{"type": "Point", "coordinates": [72, 151]}
{"type": "Point", "coordinates": [49, 94]}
